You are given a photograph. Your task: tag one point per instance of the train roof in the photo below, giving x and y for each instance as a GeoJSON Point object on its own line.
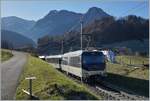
{"type": "Point", "coordinates": [78, 52]}
{"type": "Point", "coordinates": [53, 56]}
{"type": "Point", "coordinates": [74, 53]}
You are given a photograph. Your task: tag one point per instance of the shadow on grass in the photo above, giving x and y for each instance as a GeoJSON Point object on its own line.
{"type": "Point", "coordinates": [128, 72]}
{"type": "Point", "coordinates": [139, 86]}
{"type": "Point", "coordinates": [69, 93]}
{"type": "Point", "coordinates": [78, 95]}
{"type": "Point", "coordinates": [33, 98]}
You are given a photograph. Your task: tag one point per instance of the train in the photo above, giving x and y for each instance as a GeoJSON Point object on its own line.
{"type": "Point", "coordinates": [81, 63]}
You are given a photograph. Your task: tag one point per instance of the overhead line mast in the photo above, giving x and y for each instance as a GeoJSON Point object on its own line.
{"type": "Point", "coordinates": [81, 33]}
{"type": "Point", "coordinates": [62, 46]}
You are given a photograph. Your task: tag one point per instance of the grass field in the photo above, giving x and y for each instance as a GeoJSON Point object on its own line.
{"type": "Point", "coordinates": [50, 83]}
{"type": "Point", "coordinates": [132, 60]}
{"type": "Point", "coordinates": [5, 55]}
{"type": "Point", "coordinates": [134, 79]}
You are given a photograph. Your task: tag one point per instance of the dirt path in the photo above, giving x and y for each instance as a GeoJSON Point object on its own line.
{"type": "Point", "coordinates": [10, 72]}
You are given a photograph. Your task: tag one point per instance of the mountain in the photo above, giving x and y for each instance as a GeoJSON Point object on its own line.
{"type": "Point", "coordinates": [110, 30]}
{"type": "Point", "coordinates": [9, 38]}
{"type": "Point", "coordinates": [92, 14]}
{"type": "Point", "coordinates": [103, 32]}
{"type": "Point", "coordinates": [54, 23]}
{"type": "Point", "coordinates": [59, 22]}
{"type": "Point", "coordinates": [135, 45]}
{"type": "Point", "coordinates": [16, 24]}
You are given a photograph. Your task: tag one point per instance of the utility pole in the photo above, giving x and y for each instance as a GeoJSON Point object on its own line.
{"type": "Point", "coordinates": [81, 21]}
{"type": "Point", "coordinates": [81, 33]}
{"type": "Point", "coordinates": [62, 47]}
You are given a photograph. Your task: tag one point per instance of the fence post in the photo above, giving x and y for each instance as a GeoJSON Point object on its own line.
{"type": "Point", "coordinates": [30, 85]}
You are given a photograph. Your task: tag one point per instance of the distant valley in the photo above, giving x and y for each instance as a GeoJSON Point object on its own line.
{"type": "Point", "coordinates": [54, 23]}
{"type": "Point", "coordinates": [104, 29]}
{"type": "Point", "coordinates": [103, 34]}
{"type": "Point", "coordinates": [15, 40]}
{"type": "Point", "coordinates": [17, 24]}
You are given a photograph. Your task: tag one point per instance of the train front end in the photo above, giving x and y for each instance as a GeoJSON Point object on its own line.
{"type": "Point", "coordinates": [93, 64]}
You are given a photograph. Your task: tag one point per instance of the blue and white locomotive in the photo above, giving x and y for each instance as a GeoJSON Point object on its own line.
{"type": "Point", "coordinates": [81, 63]}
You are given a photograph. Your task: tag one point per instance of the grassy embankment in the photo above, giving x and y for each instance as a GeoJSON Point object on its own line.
{"type": "Point", "coordinates": [125, 76]}
{"type": "Point", "coordinates": [44, 87]}
{"type": "Point", "coordinates": [132, 60]}
{"type": "Point", "coordinates": [5, 55]}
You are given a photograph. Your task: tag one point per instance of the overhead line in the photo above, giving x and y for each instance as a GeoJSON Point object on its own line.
{"type": "Point", "coordinates": [131, 9]}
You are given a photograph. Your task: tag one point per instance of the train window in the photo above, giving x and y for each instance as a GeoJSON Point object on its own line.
{"type": "Point", "coordinates": [93, 61]}
{"type": "Point", "coordinates": [65, 60]}
{"type": "Point", "coordinates": [75, 61]}
{"type": "Point", "coordinates": [53, 60]}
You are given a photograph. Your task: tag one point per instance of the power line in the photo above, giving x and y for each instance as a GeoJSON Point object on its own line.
{"type": "Point", "coordinates": [139, 8]}
{"type": "Point", "coordinates": [131, 9]}
{"type": "Point", "coordinates": [73, 27]}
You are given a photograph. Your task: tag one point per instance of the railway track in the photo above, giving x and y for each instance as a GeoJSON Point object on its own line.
{"type": "Point", "coordinates": [113, 92]}
{"type": "Point", "coordinates": [108, 91]}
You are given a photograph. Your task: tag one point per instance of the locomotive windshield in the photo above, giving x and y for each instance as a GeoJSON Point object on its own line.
{"type": "Point", "coordinates": [93, 61]}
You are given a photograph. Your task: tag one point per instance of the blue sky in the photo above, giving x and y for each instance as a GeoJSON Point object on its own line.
{"type": "Point", "coordinates": [36, 9]}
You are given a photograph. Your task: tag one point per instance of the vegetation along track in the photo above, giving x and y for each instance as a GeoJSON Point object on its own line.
{"type": "Point", "coordinates": [108, 91]}
{"type": "Point", "coordinates": [112, 92]}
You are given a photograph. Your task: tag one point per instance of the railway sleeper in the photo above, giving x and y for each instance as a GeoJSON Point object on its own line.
{"type": "Point", "coordinates": [105, 93]}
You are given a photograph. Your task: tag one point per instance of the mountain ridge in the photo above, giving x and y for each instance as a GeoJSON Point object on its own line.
{"type": "Point", "coordinates": [16, 24]}
{"type": "Point", "coordinates": [103, 32]}
{"type": "Point", "coordinates": [105, 29]}
{"type": "Point", "coordinates": [15, 40]}
{"type": "Point", "coordinates": [57, 22]}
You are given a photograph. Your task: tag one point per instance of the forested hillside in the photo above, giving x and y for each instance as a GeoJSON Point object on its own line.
{"type": "Point", "coordinates": [104, 31]}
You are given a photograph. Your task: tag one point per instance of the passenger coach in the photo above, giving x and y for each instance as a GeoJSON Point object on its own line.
{"type": "Point", "coordinates": [55, 60]}
{"type": "Point", "coordinates": [84, 64]}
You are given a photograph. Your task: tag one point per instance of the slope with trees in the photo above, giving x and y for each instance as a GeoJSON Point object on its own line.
{"type": "Point", "coordinates": [105, 31]}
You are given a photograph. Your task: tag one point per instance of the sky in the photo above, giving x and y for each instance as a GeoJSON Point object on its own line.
{"type": "Point", "coordinates": [36, 9]}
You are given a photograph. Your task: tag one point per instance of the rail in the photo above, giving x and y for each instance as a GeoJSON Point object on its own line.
{"type": "Point", "coordinates": [109, 91]}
